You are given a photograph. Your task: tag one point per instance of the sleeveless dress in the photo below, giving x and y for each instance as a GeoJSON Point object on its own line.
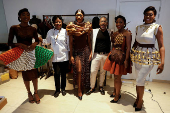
{"type": "Point", "coordinates": [114, 68]}
{"type": "Point", "coordinates": [81, 51]}
{"type": "Point", "coordinates": [145, 55]}
{"type": "Point", "coordinates": [21, 60]}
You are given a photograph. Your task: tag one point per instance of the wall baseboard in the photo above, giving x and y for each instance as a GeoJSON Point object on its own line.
{"type": "Point", "coordinates": [162, 81]}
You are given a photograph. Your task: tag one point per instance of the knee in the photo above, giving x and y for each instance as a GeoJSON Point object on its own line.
{"type": "Point", "coordinates": [140, 82]}
{"type": "Point", "coordinates": [117, 78]}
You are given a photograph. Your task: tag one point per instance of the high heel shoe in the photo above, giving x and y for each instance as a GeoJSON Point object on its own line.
{"type": "Point", "coordinates": [138, 109]}
{"type": "Point", "coordinates": [113, 101]}
{"type": "Point", "coordinates": [80, 97]}
{"type": "Point", "coordinates": [112, 95]}
{"type": "Point", "coordinates": [134, 105]}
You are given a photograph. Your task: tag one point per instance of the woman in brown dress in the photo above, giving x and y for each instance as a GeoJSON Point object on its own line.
{"type": "Point", "coordinates": [121, 41]}
{"type": "Point", "coordinates": [80, 51]}
{"type": "Point", "coordinates": [24, 35]}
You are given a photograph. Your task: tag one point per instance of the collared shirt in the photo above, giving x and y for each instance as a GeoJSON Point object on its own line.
{"type": "Point", "coordinates": [59, 41]}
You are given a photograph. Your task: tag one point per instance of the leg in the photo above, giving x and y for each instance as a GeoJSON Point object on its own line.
{"type": "Point", "coordinates": [102, 71]}
{"type": "Point", "coordinates": [141, 71]}
{"type": "Point", "coordinates": [63, 76]}
{"type": "Point", "coordinates": [56, 75]}
{"type": "Point", "coordinates": [94, 70]}
{"type": "Point", "coordinates": [114, 92]}
{"type": "Point", "coordinates": [140, 92]}
{"type": "Point", "coordinates": [27, 85]}
{"type": "Point", "coordinates": [78, 65]}
{"type": "Point", "coordinates": [35, 84]}
{"type": "Point", "coordinates": [95, 64]}
{"type": "Point", "coordinates": [102, 74]}
{"type": "Point", "coordinates": [118, 84]}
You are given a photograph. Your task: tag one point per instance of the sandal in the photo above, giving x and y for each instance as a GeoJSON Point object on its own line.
{"type": "Point", "coordinates": [31, 99]}
{"type": "Point", "coordinates": [36, 98]}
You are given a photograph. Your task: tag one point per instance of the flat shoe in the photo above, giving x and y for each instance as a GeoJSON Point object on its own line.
{"type": "Point", "coordinates": [36, 101]}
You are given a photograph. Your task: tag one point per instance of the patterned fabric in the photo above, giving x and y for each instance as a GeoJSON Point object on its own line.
{"type": "Point", "coordinates": [42, 56]}
{"type": "Point", "coordinates": [83, 56]}
{"type": "Point", "coordinates": [21, 60]}
{"type": "Point", "coordinates": [25, 62]}
{"type": "Point", "coordinates": [11, 55]}
{"type": "Point", "coordinates": [73, 29]}
{"type": "Point", "coordinates": [144, 54]}
{"type": "Point", "coordinates": [113, 67]}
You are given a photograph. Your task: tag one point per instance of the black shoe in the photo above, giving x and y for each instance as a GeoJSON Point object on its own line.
{"type": "Point", "coordinates": [138, 109]}
{"type": "Point", "coordinates": [113, 101]}
{"type": "Point", "coordinates": [102, 90]}
{"type": "Point", "coordinates": [56, 94]}
{"type": "Point", "coordinates": [80, 97]}
{"type": "Point", "coordinates": [134, 105]}
{"type": "Point", "coordinates": [63, 92]}
{"type": "Point", "coordinates": [112, 95]}
{"type": "Point", "coordinates": [90, 91]}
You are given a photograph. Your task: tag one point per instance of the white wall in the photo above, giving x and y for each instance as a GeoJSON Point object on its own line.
{"type": "Point", "coordinates": [164, 20]}
{"type": "Point", "coordinates": [3, 25]}
{"type": "Point", "coordinates": [52, 7]}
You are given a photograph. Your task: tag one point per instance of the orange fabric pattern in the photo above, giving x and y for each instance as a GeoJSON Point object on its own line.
{"type": "Point", "coordinates": [11, 55]}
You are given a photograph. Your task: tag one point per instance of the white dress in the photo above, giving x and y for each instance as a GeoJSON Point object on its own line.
{"type": "Point", "coordinates": [145, 56]}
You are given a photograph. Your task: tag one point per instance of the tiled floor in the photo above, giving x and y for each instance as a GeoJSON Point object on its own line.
{"type": "Point", "coordinates": [16, 95]}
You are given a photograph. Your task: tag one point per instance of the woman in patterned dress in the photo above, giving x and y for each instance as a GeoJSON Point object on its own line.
{"type": "Point", "coordinates": [80, 51]}
{"type": "Point", "coordinates": [121, 40]}
{"type": "Point", "coordinates": [144, 54]}
{"type": "Point", "coordinates": [24, 34]}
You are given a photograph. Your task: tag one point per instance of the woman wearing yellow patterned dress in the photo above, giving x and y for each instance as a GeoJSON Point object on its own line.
{"type": "Point", "coordinates": [144, 54]}
{"type": "Point", "coordinates": [118, 61]}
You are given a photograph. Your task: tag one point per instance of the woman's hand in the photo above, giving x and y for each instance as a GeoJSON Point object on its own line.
{"type": "Point", "coordinates": [40, 39]}
{"type": "Point", "coordinates": [23, 46]}
{"type": "Point", "coordinates": [160, 68]}
{"type": "Point", "coordinates": [126, 63]}
{"type": "Point", "coordinates": [90, 57]}
{"type": "Point", "coordinates": [72, 60]}
{"type": "Point", "coordinates": [31, 47]}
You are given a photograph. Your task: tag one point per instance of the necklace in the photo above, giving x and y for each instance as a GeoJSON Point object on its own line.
{"type": "Point", "coordinates": [57, 35]}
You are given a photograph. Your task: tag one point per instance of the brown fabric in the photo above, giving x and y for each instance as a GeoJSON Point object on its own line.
{"type": "Point", "coordinates": [146, 45]}
{"type": "Point", "coordinates": [114, 67]}
{"type": "Point", "coordinates": [118, 56]}
{"type": "Point", "coordinates": [83, 56]}
{"type": "Point", "coordinates": [13, 74]}
{"type": "Point", "coordinates": [30, 75]}
{"type": "Point", "coordinates": [23, 35]}
{"type": "Point", "coordinates": [80, 42]}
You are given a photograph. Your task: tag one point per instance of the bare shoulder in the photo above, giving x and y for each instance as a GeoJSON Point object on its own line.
{"type": "Point", "coordinates": [127, 33]}
{"type": "Point", "coordinates": [114, 33]}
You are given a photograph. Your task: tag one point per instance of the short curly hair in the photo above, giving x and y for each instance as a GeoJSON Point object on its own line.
{"type": "Point", "coordinates": [21, 11]}
{"type": "Point", "coordinates": [150, 8]}
{"type": "Point", "coordinates": [122, 17]}
{"type": "Point", "coordinates": [55, 17]}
